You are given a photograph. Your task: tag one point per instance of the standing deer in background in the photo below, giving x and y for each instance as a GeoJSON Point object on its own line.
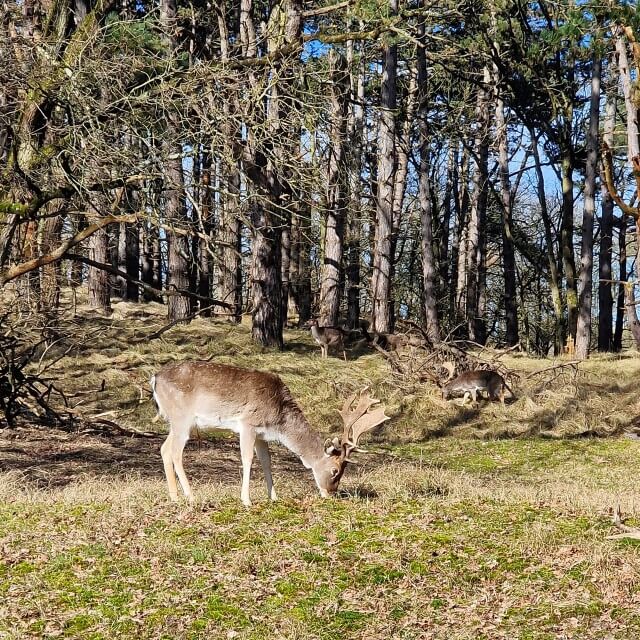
{"type": "Point", "coordinates": [327, 337]}
{"type": "Point", "coordinates": [258, 406]}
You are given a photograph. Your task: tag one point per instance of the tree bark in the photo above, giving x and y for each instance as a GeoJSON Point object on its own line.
{"type": "Point", "coordinates": [476, 233]}
{"type": "Point", "coordinates": [605, 295]}
{"type": "Point", "coordinates": [620, 302]}
{"type": "Point", "coordinates": [300, 267]}
{"type": "Point", "coordinates": [355, 210]}
{"type": "Point", "coordinates": [381, 303]}
{"type": "Point", "coordinates": [98, 283]}
{"type": "Point", "coordinates": [429, 272]}
{"type": "Point", "coordinates": [555, 264]}
{"type": "Point", "coordinates": [178, 262]}
{"type": "Point", "coordinates": [633, 151]}
{"type": "Point", "coordinates": [585, 285]}
{"type": "Point", "coordinates": [508, 253]}
{"type": "Point", "coordinates": [335, 200]}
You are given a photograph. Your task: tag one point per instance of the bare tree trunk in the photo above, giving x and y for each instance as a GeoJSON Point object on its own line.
{"type": "Point", "coordinates": [98, 283]}
{"type": "Point", "coordinates": [443, 237]}
{"type": "Point", "coordinates": [425, 201]}
{"type": "Point", "coordinates": [458, 248]}
{"type": "Point", "coordinates": [633, 151]}
{"type": "Point", "coordinates": [178, 263]}
{"type": "Point", "coordinates": [178, 307]}
{"type": "Point", "coordinates": [381, 311]}
{"type": "Point", "coordinates": [605, 295]}
{"type": "Point", "coordinates": [300, 267]}
{"type": "Point", "coordinates": [355, 211]}
{"type": "Point", "coordinates": [230, 268]}
{"type": "Point", "coordinates": [149, 241]}
{"type": "Point", "coordinates": [119, 260]}
{"type": "Point", "coordinates": [50, 273]}
{"type": "Point", "coordinates": [266, 278]}
{"type": "Point", "coordinates": [230, 278]}
{"type": "Point", "coordinates": [554, 263]}
{"type": "Point", "coordinates": [566, 225]}
{"type": "Point", "coordinates": [508, 253]}
{"type": "Point", "coordinates": [335, 202]}
{"type": "Point", "coordinates": [630, 301]}
{"type": "Point", "coordinates": [207, 227]}
{"type": "Point", "coordinates": [476, 234]}
{"type": "Point", "coordinates": [585, 286]}
{"type": "Point", "coordinates": [128, 260]}
{"type": "Point", "coordinates": [267, 172]}
{"type": "Point", "coordinates": [620, 308]}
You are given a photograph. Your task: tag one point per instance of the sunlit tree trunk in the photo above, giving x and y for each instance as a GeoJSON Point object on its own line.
{"type": "Point", "coordinates": [585, 286]}
{"type": "Point", "coordinates": [429, 273]}
{"type": "Point", "coordinates": [605, 289]}
{"type": "Point", "coordinates": [476, 233]}
{"type": "Point", "coordinates": [381, 311]}
{"type": "Point", "coordinates": [335, 200]}
{"type": "Point", "coordinates": [508, 253]}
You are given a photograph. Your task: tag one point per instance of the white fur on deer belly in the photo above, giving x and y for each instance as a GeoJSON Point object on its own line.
{"type": "Point", "coordinates": [217, 422]}
{"type": "Point", "coordinates": [269, 435]}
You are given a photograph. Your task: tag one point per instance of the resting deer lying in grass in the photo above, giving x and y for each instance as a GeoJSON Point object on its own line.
{"type": "Point", "coordinates": [469, 383]}
{"type": "Point", "coordinates": [327, 337]}
{"type": "Point", "coordinates": [258, 406]}
{"type": "Point", "coordinates": [386, 341]}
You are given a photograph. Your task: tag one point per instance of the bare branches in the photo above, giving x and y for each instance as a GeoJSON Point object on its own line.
{"type": "Point", "coordinates": [628, 210]}
{"type": "Point", "coordinates": [626, 532]}
{"type": "Point", "coordinates": [13, 272]}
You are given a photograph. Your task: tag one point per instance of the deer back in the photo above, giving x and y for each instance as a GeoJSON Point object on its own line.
{"type": "Point", "coordinates": [479, 379]}
{"type": "Point", "coordinates": [205, 394]}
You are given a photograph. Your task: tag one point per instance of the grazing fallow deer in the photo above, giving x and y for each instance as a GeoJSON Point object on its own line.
{"type": "Point", "coordinates": [258, 406]}
{"type": "Point", "coordinates": [327, 337]}
{"type": "Point", "coordinates": [469, 383]}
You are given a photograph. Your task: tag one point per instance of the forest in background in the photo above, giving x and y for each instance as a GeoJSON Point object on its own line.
{"type": "Point", "coordinates": [467, 166]}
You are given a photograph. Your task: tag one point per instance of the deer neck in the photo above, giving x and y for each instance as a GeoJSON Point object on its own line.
{"type": "Point", "coordinates": [315, 332]}
{"type": "Point", "coordinates": [301, 438]}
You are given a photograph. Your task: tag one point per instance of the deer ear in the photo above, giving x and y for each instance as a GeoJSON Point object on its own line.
{"type": "Point", "coordinates": [332, 447]}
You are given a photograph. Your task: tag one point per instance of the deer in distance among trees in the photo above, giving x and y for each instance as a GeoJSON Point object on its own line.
{"type": "Point", "coordinates": [258, 407]}
{"type": "Point", "coordinates": [327, 337]}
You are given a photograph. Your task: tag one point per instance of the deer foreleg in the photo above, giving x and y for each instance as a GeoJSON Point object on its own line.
{"type": "Point", "coordinates": [247, 442]}
{"type": "Point", "coordinates": [262, 451]}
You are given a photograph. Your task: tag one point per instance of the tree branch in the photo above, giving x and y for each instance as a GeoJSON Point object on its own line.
{"type": "Point", "coordinates": [143, 285]}
{"type": "Point", "coordinates": [11, 273]}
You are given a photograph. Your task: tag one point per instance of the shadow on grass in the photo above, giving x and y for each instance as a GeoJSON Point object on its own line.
{"type": "Point", "coordinates": [51, 458]}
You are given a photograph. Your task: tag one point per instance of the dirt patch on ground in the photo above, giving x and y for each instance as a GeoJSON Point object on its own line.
{"type": "Point", "coordinates": [51, 458]}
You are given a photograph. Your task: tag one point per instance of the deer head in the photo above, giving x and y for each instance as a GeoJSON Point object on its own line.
{"type": "Point", "coordinates": [358, 417]}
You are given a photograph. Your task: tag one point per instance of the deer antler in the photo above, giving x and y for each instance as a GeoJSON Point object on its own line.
{"type": "Point", "coordinates": [360, 419]}
{"type": "Point", "coordinates": [450, 367]}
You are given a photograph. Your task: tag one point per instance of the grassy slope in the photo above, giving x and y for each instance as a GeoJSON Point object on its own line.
{"type": "Point", "coordinates": [450, 537]}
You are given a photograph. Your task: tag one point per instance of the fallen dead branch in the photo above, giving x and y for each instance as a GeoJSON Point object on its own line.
{"type": "Point", "coordinates": [440, 362]}
{"type": "Point", "coordinates": [626, 532]}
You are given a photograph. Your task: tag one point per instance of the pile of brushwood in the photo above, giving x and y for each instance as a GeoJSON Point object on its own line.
{"type": "Point", "coordinates": [25, 390]}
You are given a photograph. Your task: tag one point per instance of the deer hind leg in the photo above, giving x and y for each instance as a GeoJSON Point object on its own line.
{"type": "Point", "coordinates": [262, 451]}
{"type": "Point", "coordinates": [171, 452]}
{"type": "Point", "coordinates": [247, 443]}
{"type": "Point", "coordinates": [165, 452]}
